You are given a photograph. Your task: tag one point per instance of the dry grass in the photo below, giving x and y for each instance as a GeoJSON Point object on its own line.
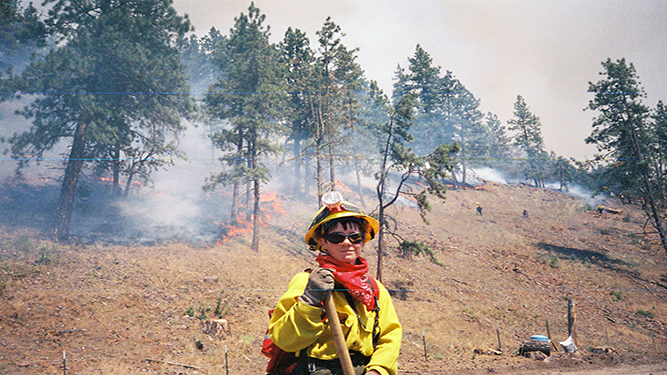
{"type": "Point", "coordinates": [122, 309]}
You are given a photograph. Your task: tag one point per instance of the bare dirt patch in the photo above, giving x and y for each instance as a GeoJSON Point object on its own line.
{"type": "Point", "coordinates": [130, 309]}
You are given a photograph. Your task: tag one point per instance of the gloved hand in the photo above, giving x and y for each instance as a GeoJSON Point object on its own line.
{"type": "Point", "coordinates": [320, 284]}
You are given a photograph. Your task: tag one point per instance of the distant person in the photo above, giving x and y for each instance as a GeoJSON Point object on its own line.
{"type": "Point", "coordinates": [525, 213]}
{"type": "Point", "coordinates": [479, 208]}
{"type": "Point", "coordinates": [368, 319]}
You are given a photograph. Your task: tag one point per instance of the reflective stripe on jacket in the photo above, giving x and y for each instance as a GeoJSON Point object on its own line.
{"type": "Point", "coordinates": [295, 326]}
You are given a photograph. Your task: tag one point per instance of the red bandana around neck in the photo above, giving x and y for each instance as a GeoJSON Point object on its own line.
{"type": "Point", "coordinates": [353, 277]}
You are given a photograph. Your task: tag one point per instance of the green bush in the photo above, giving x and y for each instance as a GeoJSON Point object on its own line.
{"type": "Point", "coordinates": [411, 248]}
{"type": "Point", "coordinates": [645, 313]}
{"type": "Point", "coordinates": [46, 254]}
{"type": "Point", "coordinates": [617, 294]}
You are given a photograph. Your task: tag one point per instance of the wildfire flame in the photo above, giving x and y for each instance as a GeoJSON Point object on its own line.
{"type": "Point", "coordinates": [478, 187]}
{"type": "Point", "coordinates": [108, 180]}
{"type": "Point", "coordinates": [269, 205]}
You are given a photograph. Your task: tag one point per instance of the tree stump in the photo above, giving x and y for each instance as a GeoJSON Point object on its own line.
{"type": "Point", "coordinates": [534, 346]}
{"type": "Point", "coordinates": [218, 328]}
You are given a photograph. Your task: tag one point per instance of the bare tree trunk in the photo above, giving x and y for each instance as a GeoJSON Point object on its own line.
{"type": "Point", "coordinates": [332, 172]}
{"type": "Point", "coordinates": [296, 182]}
{"type": "Point", "coordinates": [234, 215]}
{"type": "Point", "coordinates": [463, 172]}
{"type": "Point", "coordinates": [115, 190]}
{"type": "Point", "coordinates": [652, 204]}
{"type": "Point", "coordinates": [359, 188]}
{"type": "Point", "coordinates": [248, 197]}
{"type": "Point", "coordinates": [318, 163]}
{"type": "Point", "coordinates": [128, 184]}
{"type": "Point", "coordinates": [255, 217]}
{"type": "Point", "coordinates": [380, 250]}
{"type": "Point", "coordinates": [454, 180]}
{"type": "Point", "coordinates": [68, 190]}
{"type": "Point", "coordinates": [306, 173]}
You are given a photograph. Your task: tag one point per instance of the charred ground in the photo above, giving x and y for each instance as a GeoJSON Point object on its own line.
{"type": "Point", "coordinates": [120, 308]}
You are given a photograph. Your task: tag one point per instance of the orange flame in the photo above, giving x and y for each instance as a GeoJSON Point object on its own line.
{"type": "Point", "coordinates": [269, 205]}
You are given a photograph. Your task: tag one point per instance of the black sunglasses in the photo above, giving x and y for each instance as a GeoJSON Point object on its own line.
{"type": "Point", "coordinates": [337, 237]}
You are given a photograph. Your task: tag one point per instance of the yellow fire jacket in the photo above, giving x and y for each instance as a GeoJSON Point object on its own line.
{"type": "Point", "coordinates": [295, 326]}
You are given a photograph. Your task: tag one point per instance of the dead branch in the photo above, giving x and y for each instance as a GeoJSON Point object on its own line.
{"type": "Point", "coordinates": [172, 363]}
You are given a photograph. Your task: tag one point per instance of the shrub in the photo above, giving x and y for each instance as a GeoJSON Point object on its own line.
{"type": "Point", "coordinates": [46, 254]}
{"type": "Point", "coordinates": [617, 294]}
{"type": "Point", "coordinates": [411, 248]}
{"type": "Point", "coordinates": [644, 313]}
{"type": "Point", "coordinates": [549, 259]}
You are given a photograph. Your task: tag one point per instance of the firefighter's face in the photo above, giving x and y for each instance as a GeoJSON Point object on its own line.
{"type": "Point", "coordinates": [350, 248]}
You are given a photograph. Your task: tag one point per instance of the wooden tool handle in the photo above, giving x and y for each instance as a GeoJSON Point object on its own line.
{"type": "Point", "coordinates": [339, 339]}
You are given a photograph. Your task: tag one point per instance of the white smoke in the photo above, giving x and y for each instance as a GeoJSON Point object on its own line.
{"type": "Point", "coordinates": [488, 174]}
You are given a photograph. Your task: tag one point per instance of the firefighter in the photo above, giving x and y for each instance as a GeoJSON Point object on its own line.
{"type": "Point", "coordinates": [478, 208]}
{"type": "Point", "coordinates": [369, 322]}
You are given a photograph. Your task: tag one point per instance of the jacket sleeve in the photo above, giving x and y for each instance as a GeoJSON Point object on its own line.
{"type": "Point", "coordinates": [295, 325]}
{"type": "Point", "coordinates": [385, 357]}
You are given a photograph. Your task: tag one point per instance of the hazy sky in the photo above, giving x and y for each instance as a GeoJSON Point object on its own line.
{"type": "Point", "coordinates": [545, 50]}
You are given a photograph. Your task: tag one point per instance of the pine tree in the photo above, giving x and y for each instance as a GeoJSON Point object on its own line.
{"type": "Point", "coordinates": [495, 147]}
{"type": "Point", "coordinates": [248, 97]}
{"type": "Point", "coordinates": [528, 139]}
{"type": "Point", "coordinates": [21, 33]}
{"type": "Point", "coordinates": [197, 57]}
{"type": "Point", "coordinates": [397, 158]}
{"type": "Point", "coordinates": [445, 110]}
{"type": "Point", "coordinates": [298, 59]}
{"type": "Point", "coordinates": [563, 171]}
{"type": "Point", "coordinates": [660, 150]}
{"type": "Point", "coordinates": [621, 132]}
{"type": "Point", "coordinates": [337, 79]}
{"type": "Point", "coordinates": [113, 86]}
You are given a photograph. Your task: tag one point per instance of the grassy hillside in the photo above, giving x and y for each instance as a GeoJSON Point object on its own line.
{"type": "Point", "coordinates": [126, 309]}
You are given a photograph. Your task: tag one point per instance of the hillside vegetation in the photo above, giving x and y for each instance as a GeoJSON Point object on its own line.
{"type": "Point", "coordinates": [134, 309]}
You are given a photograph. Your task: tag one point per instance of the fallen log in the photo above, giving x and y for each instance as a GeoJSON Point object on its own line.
{"type": "Point", "coordinates": [534, 346]}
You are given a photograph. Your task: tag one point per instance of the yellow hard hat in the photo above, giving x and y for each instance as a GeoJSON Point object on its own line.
{"type": "Point", "coordinates": [334, 208]}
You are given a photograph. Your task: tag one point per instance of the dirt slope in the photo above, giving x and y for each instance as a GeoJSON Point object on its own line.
{"type": "Point", "coordinates": [124, 309]}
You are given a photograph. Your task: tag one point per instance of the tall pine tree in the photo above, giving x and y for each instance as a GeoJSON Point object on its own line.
{"type": "Point", "coordinates": [298, 59]}
{"type": "Point", "coordinates": [622, 133]}
{"type": "Point", "coordinates": [248, 98]}
{"type": "Point", "coordinates": [528, 138]}
{"type": "Point", "coordinates": [114, 86]}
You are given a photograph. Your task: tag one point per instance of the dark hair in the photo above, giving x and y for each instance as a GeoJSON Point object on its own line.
{"type": "Point", "coordinates": [344, 221]}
